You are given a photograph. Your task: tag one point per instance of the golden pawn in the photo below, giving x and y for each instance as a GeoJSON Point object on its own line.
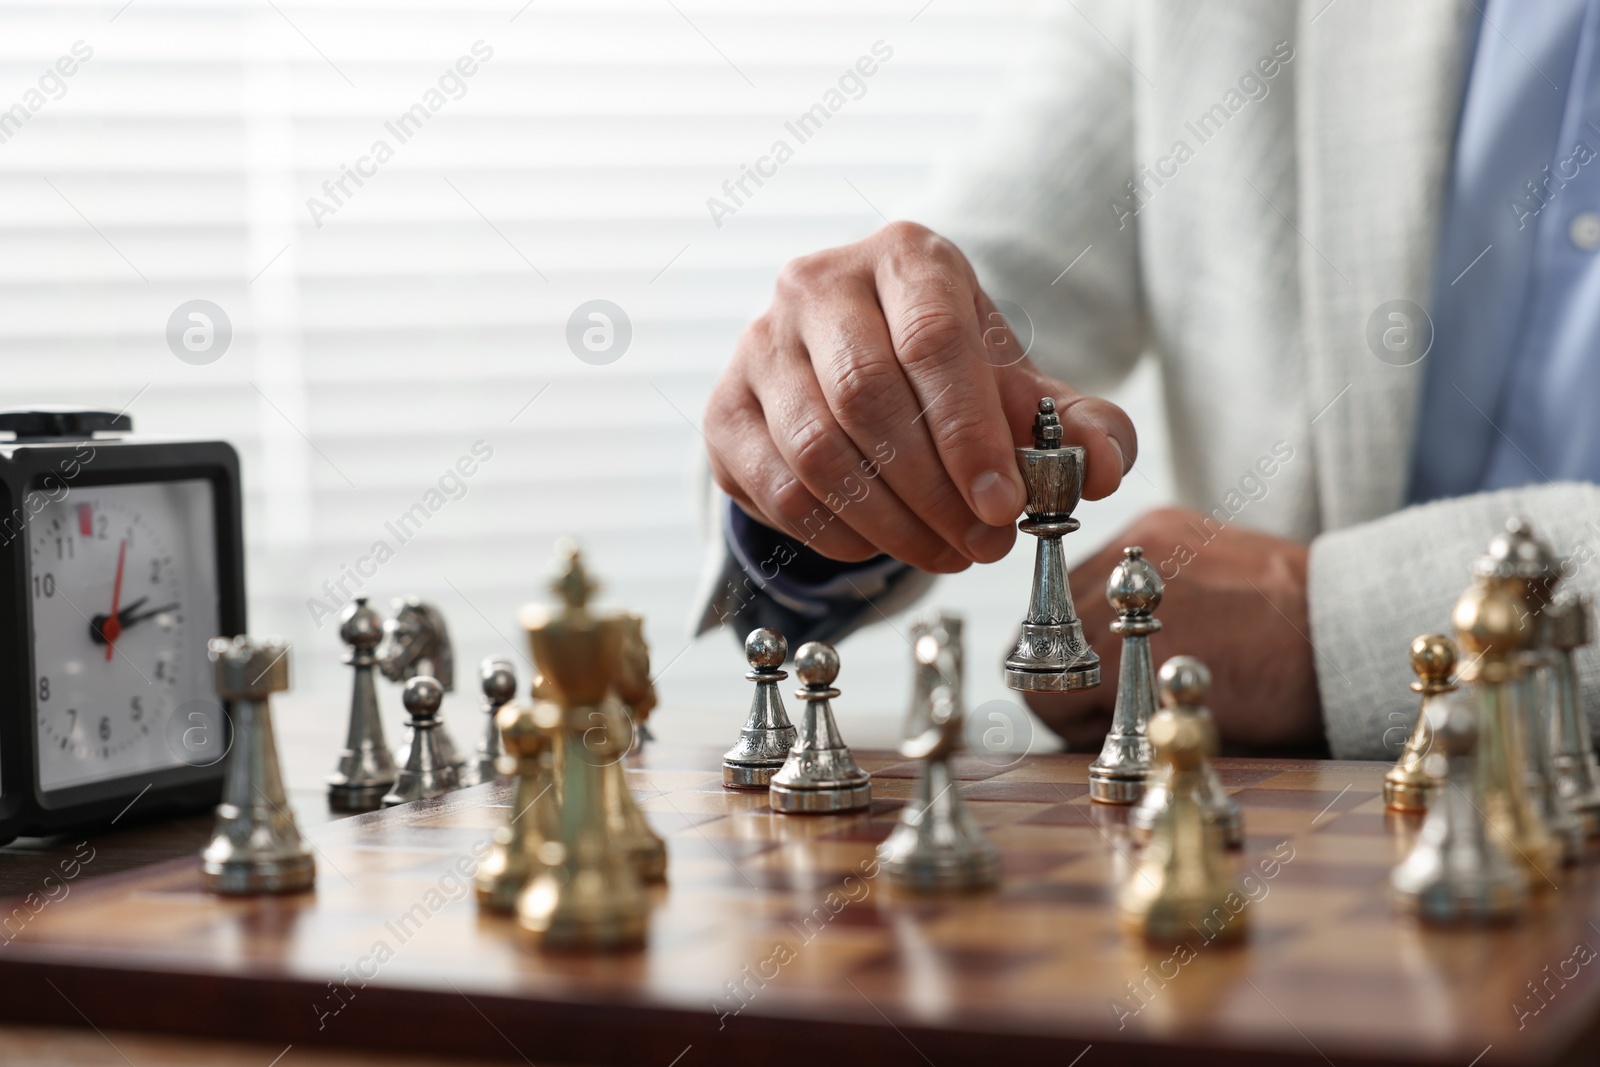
{"type": "Point", "coordinates": [1408, 786]}
{"type": "Point", "coordinates": [1180, 886]}
{"type": "Point", "coordinates": [1183, 684]}
{"type": "Point", "coordinates": [1491, 629]}
{"type": "Point", "coordinates": [586, 896]}
{"type": "Point", "coordinates": [527, 736]}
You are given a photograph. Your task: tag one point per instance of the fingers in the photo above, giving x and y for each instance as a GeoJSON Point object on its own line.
{"type": "Point", "coordinates": [877, 407]}
{"type": "Point", "coordinates": [826, 460]}
{"type": "Point", "coordinates": [852, 360]}
{"type": "Point", "coordinates": [1104, 430]}
{"type": "Point", "coordinates": [929, 306]}
{"type": "Point", "coordinates": [749, 468]}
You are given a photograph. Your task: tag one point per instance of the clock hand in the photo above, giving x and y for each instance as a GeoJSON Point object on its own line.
{"type": "Point", "coordinates": [112, 627]}
{"type": "Point", "coordinates": [126, 618]}
{"type": "Point", "coordinates": [129, 619]}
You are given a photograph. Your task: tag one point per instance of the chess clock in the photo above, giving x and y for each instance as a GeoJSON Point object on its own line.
{"type": "Point", "coordinates": [120, 556]}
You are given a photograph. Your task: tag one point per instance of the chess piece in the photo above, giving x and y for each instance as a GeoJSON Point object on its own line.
{"type": "Point", "coordinates": [632, 697]}
{"type": "Point", "coordinates": [366, 770]}
{"type": "Point", "coordinates": [528, 735]}
{"type": "Point", "coordinates": [256, 847]}
{"type": "Point", "coordinates": [819, 775]}
{"type": "Point", "coordinates": [936, 846]}
{"type": "Point", "coordinates": [1051, 654]}
{"type": "Point", "coordinates": [588, 896]}
{"type": "Point", "coordinates": [427, 773]}
{"type": "Point", "coordinates": [1180, 887]}
{"type": "Point", "coordinates": [1184, 683]}
{"type": "Point", "coordinates": [1491, 629]}
{"type": "Point", "coordinates": [1408, 786]}
{"type": "Point", "coordinates": [945, 630]}
{"type": "Point", "coordinates": [416, 643]}
{"type": "Point", "coordinates": [629, 828]}
{"type": "Point", "coordinates": [633, 684]}
{"type": "Point", "coordinates": [1571, 626]}
{"type": "Point", "coordinates": [767, 735]}
{"type": "Point", "coordinates": [1134, 590]}
{"type": "Point", "coordinates": [498, 678]}
{"type": "Point", "coordinates": [1457, 872]}
{"type": "Point", "coordinates": [1527, 569]}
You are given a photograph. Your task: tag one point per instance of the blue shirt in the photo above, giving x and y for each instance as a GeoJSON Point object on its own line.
{"type": "Point", "coordinates": [1511, 392]}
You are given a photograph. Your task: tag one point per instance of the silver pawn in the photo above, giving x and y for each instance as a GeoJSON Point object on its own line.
{"type": "Point", "coordinates": [366, 770]}
{"type": "Point", "coordinates": [1571, 626]}
{"type": "Point", "coordinates": [256, 847]}
{"type": "Point", "coordinates": [1134, 591]}
{"type": "Point", "coordinates": [1457, 872]}
{"type": "Point", "coordinates": [1185, 682]}
{"type": "Point", "coordinates": [427, 772]}
{"type": "Point", "coordinates": [1525, 565]}
{"type": "Point", "coordinates": [498, 678]}
{"type": "Point", "coordinates": [936, 847]}
{"type": "Point", "coordinates": [820, 775]}
{"type": "Point", "coordinates": [1051, 654]}
{"type": "Point", "coordinates": [767, 735]}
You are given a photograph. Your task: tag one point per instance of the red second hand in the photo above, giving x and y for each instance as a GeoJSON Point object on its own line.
{"type": "Point", "coordinates": [113, 626]}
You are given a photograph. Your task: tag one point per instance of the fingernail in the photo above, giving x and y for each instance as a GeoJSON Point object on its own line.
{"type": "Point", "coordinates": [994, 498]}
{"type": "Point", "coordinates": [987, 543]}
{"type": "Point", "coordinates": [1122, 450]}
{"type": "Point", "coordinates": [1121, 453]}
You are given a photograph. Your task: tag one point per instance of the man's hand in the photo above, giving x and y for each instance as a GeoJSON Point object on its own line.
{"type": "Point", "coordinates": [875, 406]}
{"type": "Point", "coordinates": [1237, 601]}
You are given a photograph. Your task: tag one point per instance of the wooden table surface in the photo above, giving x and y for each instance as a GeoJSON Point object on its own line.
{"type": "Point", "coordinates": [1037, 971]}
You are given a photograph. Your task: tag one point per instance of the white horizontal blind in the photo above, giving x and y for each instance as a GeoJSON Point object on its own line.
{"type": "Point", "coordinates": [425, 310]}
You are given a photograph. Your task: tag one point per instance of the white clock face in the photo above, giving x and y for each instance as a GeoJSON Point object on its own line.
{"type": "Point", "coordinates": [123, 587]}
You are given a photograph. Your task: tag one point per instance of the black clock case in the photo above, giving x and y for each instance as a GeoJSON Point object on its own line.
{"type": "Point", "coordinates": [24, 468]}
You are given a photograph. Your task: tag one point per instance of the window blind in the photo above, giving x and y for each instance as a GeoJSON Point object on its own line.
{"type": "Point", "coordinates": [400, 313]}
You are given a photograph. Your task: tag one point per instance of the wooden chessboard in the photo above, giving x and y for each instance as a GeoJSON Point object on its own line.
{"type": "Point", "coordinates": [775, 944]}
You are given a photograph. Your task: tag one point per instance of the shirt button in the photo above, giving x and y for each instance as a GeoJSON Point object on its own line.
{"type": "Point", "coordinates": [1585, 231]}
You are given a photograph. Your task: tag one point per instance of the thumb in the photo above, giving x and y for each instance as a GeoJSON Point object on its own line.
{"type": "Point", "coordinates": [1109, 440]}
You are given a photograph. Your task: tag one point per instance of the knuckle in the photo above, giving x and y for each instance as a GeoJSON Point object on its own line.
{"type": "Point", "coordinates": [804, 275]}
{"type": "Point", "coordinates": [932, 334]}
{"type": "Point", "coordinates": [860, 388]}
{"type": "Point", "coordinates": [755, 339]}
{"type": "Point", "coordinates": [916, 245]}
{"type": "Point", "coordinates": [814, 449]}
{"type": "Point", "coordinates": [913, 233]}
{"type": "Point", "coordinates": [791, 502]}
{"type": "Point", "coordinates": [962, 432]}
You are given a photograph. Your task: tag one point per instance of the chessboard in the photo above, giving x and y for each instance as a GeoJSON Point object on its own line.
{"type": "Point", "coordinates": [776, 941]}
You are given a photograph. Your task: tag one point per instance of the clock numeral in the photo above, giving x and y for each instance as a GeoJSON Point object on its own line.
{"type": "Point", "coordinates": [137, 705]}
{"type": "Point", "coordinates": [44, 689]}
{"type": "Point", "coordinates": [44, 586]}
{"type": "Point", "coordinates": [161, 670]}
{"type": "Point", "coordinates": [72, 720]}
{"type": "Point", "coordinates": [105, 728]}
{"type": "Point", "coordinates": [65, 549]}
{"type": "Point", "coordinates": [155, 572]}
{"type": "Point", "coordinates": [100, 527]}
